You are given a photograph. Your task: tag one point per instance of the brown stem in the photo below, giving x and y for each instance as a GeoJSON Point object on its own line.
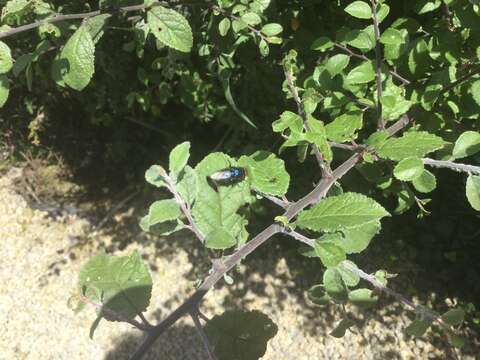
{"type": "Point", "coordinates": [452, 165]}
{"type": "Point", "coordinates": [363, 57]}
{"type": "Point", "coordinates": [378, 66]}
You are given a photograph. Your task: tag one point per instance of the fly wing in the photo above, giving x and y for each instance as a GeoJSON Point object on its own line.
{"type": "Point", "coordinates": [221, 175]}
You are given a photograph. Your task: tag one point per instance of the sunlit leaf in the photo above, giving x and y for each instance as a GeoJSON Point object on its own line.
{"type": "Point", "coordinates": [171, 28]}
{"type": "Point", "coordinates": [266, 173]}
{"type": "Point", "coordinates": [79, 53]}
{"type": "Point", "coordinates": [411, 144]}
{"type": "Point", "coordinates": [473, 191]}
{"type": "Point", "coordinates": [348, 210]}
{"type": "Point", "coordinates": [121, 284]}
{"type": "Point", "coordinates": [467, 144]}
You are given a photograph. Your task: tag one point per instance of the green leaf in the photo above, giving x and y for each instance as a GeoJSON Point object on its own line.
{"type": "Point", "coordinates": [225, 75]}
{"type": "Point", "coordinates": [473, 191]}
{"type": "Point", "coordinates": [475, 91]}
{"type": "Point", "coordinates": [288, 120]}
{"type": "Point", "coordinates": [343, 127]}
{"type": "Point", "coordinates": [238, 25]}
{"type": "Point", "coordinates": [411, 144]}
{"type": "Point", "coordinates": [456, 340]}
{"type": "Point", "coordinates": [218, 209]}
{"type": "Point", "coordinates": [318, 136]}
{"type": "Point", "coordinates": [79, 53]}
{"type": "Point", "coordinates": [15, 8]}
{"type": "Point", "coordinates": [359, 9]}
{"type": "Point", "coordinates": [394, 51]}
{"type": "Point", "coordinates": [377, 139]}
{"type": "Point", "coordinates": [224, 26]}
{"type": "Point", "coordinates": [340, 212]}
{"type": "Point", "coordinates": [323, 43]}
{"type": "Point", "coordinates": [4, 89]}
{"type": "Point", "coordinates": [363, 298]}
{"type": "Point", "coordinates": [362, 39]}
{"type": "Point", "coordinates": [266, 173]}
{"type": "Point", "coordinates": [317, 295]}
{"type": "Point", "coordinates": [239, 334]}
{"type": "Point", "coordinates": [163, 210]}
{"type": "Point", "coordinates": [121, 284]}
{"type": "Point", "coordinates": [341, 328]}
{"type": "Point", "coordinates": [220, 239]}
{"type": "Point", "coordinates": [349, 277]}
{"type": "Point", "coordinates": [418, 58]}
{"type": "Point", "coordinates": [361, 74]}
{"type": "Point", "coordinates": [329, 253]}
{"type": "Point", "coordinates": [408, 169]}
{"type": "Point", "coordinates": [179, 157]}
{"type": "Point", "coordinates": [418, 327]}
{"type": "Point", "coordinates": [406, 198]}
{"type": "Point", "coordinates": [272, 29]}
{"type": "Point", "coordinates": [307, 251]}
{"type": "Point", "coordinates": [259, 6]}
{"type": "Point", "coordinates": [6, 61]}
{"type": "Point", "coordinates": [171, 28]}
{"type": "Point", "coordinates": [425, 183]}
{"type": "Point", "coordinates": [263, 47]}
{"type": "Point", "coordinates": [467, 144]}
{"type": "Point", "coordinates": [382, 12]}
{"type": "Point", "coordinates": [454, 317]}
{"type": "Point", "coordinates": [274, 40]}
{"type": "Point", "coordinates": [393, 101]}
{"type": "Point", "coordinates": [251, 18]}
{"type": "Point", "coordinates": [357, 239]}
{"type": "Point", "coordinates": [425, 6]}
{"type": "Point", "coordinates": [187, 185]}
{"type": "Point", "coordinates": [21, 63]}
{"type": "Point", "coordinates": [95, 26]}
{"type": "Point", "coordinates": [334, 286]}
{"type": "Point", "coordinates": [337, 63]}
{"type": "Point", "coordinates": [391, 36]}
{"type": "Point", "coordinates": [155, 174]}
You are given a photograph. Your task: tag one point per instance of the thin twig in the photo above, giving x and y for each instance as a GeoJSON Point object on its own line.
{"type": "Point", "coordinates": [201, 333]}
{"type": "Point", "coordinates": [363, 57]}
{"type": "Point", "coordinates": [378, 66]}
{"type": "Point", "coordinates": [460, 80]}
{"type": "Point", "coordinates": [184, 206]}
{"type": "Point", "coordinates": [452, 165]}
{"type": "Point", "coordinates": [324, 166]}
{"type": "Point", "coordinates": [432, 315]}
{"type": "Point", "coordinates": [280, 202]}
{"type": "Point", "coordinates": [65, 17]}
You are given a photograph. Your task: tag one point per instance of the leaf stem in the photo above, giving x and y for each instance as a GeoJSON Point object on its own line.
{"type": "Point", "coordinates": [324, 166]}
{"type": "Point", "coordinates": [194, 314]}
{"type": "Point", "coordinates": [113, 314]}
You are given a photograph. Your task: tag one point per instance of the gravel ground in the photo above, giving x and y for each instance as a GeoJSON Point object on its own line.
{"type": "Point", "coordinates": [37, 276]}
